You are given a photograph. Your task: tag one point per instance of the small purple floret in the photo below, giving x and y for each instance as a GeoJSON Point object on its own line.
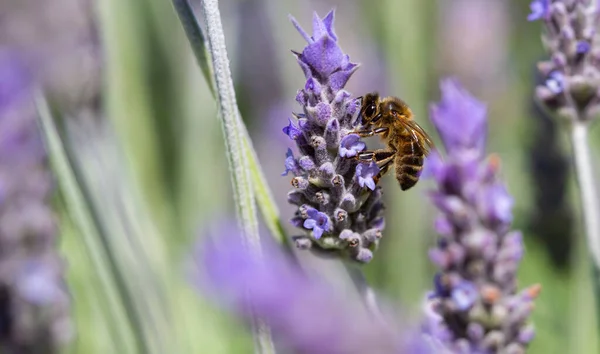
{"type": "Point", "coordinates": [291, 165]}
{"type": "Point", "coordinates": [459, 118]}
{"type": "Point", "coordinates": [365, 174]}
{"type": "Point", "coordinates": [317, 221]}
{"type": "Point", "coordinates": [556, 82]}
{"type": "Point", "coordinates": [464, 295]}
{"type": "Point", "coordinates": [351, 145]}
{"type": "Point", "coordinates": [539, 9]}
{"type": "Point", "coordinates": [292, 130]}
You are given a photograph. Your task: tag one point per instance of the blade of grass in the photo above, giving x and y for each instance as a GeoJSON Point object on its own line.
{"type": "Point", "coordinates": [234, 144]}
{"type": "Point", "coordinates": [124, 332]}
{"type": "Point", "coordinates": [264, 197]}
{"type": "Point", "coordinates": [132, 239]}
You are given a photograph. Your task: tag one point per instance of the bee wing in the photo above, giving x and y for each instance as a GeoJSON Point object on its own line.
{"type": "Point", "coordinates": [418, 134]}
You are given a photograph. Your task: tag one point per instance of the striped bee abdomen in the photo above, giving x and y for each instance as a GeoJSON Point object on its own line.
{"type": "Point", "coordinates": [409, 163]}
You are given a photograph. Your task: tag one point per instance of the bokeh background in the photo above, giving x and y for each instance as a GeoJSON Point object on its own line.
{"type": "Point", "coordinates": [140, 129]}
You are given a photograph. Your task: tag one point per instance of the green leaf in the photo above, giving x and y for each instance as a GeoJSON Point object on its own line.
{"type": "Point", "coordinates": [264, 197]}
{"type": "Point", "coordinates": [123, 332]}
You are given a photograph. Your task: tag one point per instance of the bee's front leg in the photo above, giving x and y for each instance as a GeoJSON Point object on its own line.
{"type": "Point", "coordinates": [370, 132]}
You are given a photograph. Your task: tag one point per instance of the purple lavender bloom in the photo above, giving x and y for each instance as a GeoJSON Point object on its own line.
{"type": "Point", "coordinates": [317, 221]}
{"type": "Point", "coordinates": [475, 300]}
{"type": "Point", "coordinates": [35, 302]}
{"type": "Point", "coordinates": [460, 118]}
{"type": "Point", "coordinates": [330, 179]}
{"type": "Point", "coordinates": [351, 145]}
{"type": "Point", "coordinates": [292, 130]}
{"type": "Point", "coordinates": [571, 88]}
{"type": "Point", "coordinates": [365, 174]}
{"type": "Point", "coordinates": [305, 314]}
{"type": "Point", "coordinates": [291, 165]}
{"type": "Point", "coordinates": [539, 9]}
{"type": "Point", "coordinates": [555, 82]}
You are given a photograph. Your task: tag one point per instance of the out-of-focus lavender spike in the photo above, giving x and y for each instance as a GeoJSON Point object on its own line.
{"type": "Point", "coordinates": [572, 74]}
{"type": "Point", "coordinates": [329, 179]}
{"type": "Point", "coordinates": [571, 90]}
{"type": "Point", "coordinates": [304, 313]}
{"type": "Point", "coordinates": [34, 302]}
{"type": "Point", "coordinates": [475, 306]}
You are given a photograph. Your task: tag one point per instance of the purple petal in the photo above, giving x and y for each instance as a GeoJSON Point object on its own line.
{"type": "Point", "coordinates": [370, 183]}
{"type": "Point", "coordinates": [323, 56]}
{"type": "Point", "coordinates": [305, 314]}
{"type": "Point", "coordinates": [291, 130]}
{"type": "Point", "coordinates": [300, 30]}
{"type": "Point", "coordinates": [459, 118]}
{"type": "Point", "coordinates": [539, 9]}
{"type": "Point", "coordinates": [317, 232]}
{"type": "Point", "coordinates": [328, 22]}
{"type": "Point", "coordinates": [310, 223]}
{"type": "Point", "coordinates": [464, 295]}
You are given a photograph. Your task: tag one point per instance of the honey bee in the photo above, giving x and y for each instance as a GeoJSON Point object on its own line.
{"type": "Point", "coordinates": [407, 143]}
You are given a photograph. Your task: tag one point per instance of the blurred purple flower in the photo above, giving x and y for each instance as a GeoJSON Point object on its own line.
{"type": "Point", "coordinates": [570, 86]}
{"type": "Point", "coordinates": [555, 82]}
{"type": "Point", "coordinates": [539, 9]}
{"type": "Point", "coordinates": [475, 299]}
{"type": "Point", "coordinates": [31, 271]}
{"type": "Point", "coordinates": [323, 135]}
{"type": "Point", "coordinates": [460, 119]}
{"type": "Point", "coordinates": [305, 314]}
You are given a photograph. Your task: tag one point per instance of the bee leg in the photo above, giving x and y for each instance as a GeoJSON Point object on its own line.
{"type": "Point", "coordinates": [383, 169]}
{"type": "Point", "coordinates": [364, 133]}
{"type": "Point", "coordinates": [378, 156]}
{"type": "Point", "coordinates": [371, 132]}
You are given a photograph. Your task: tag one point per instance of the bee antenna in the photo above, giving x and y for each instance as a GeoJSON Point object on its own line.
{"type": "Point", "coordinates": [296, 53]}
{"type": "Point", "coordinates": [360, 99]}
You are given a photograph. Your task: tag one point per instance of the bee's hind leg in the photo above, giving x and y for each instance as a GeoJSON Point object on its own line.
{"type": "Point", "coordinates": [377, 156]}
{"type": "Point", "coordinates": [384, 158]}
{"type": "Point", "coordinates": [383, 169]}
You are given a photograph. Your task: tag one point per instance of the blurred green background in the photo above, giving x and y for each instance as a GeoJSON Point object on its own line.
{"type": "Point", "coordinates": [142, 139]}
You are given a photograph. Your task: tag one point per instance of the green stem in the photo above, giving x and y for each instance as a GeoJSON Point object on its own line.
{"type": "Point", "coordinates": [119, 309]}
{"type": "Point", "coordinates": [263, 194]}
{"type": "Point", "coordinates": [589, 199]}
{"type": "Point", "coordinates": [235, 147]}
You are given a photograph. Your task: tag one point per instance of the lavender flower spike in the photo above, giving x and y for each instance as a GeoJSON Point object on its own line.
{"type": "Point", "coordinates": [572, 91]}
{"type": "Point", "coordinates": [305, 314]}
{"type": "Point", "coordinates": [329, 179]}
{"type": "Point", "coordinates": [35, 303]}
{"type": "Point", "coordinates": [475, 306]}
{"type": "Point", "coordinates": [572, 75]}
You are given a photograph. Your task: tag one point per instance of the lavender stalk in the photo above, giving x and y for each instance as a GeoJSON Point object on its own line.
{"type": "Point", "coordinates": [475, 306]}
{"type": "Point", "coordinates": [238, 160]}
{"type": "Point", "coordinates": [571, 91]}
{"type": "Point", "coordinates": [339, 204]}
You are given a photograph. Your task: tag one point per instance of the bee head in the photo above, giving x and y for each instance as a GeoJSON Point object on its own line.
{"type": "Point", "coordinates": [370, 108]}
